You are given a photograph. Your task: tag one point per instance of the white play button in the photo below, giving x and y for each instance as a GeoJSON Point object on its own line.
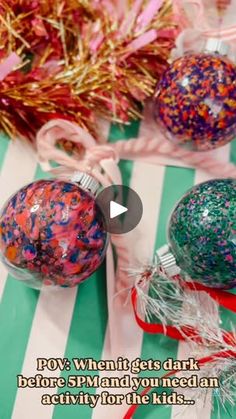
{"type": "Point", "coordinates": [116, 209]}
{"type": "Point", "coordinates": [121, 208]}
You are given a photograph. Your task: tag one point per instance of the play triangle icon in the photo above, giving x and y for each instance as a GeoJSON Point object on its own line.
{"type": "Point", "coordinates": [116, 209]}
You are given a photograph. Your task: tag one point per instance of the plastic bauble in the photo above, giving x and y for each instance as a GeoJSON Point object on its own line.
{"type": "Point", "coordinates": [52, 233]}
{"type": "Point", "coordinates": [195, 102]}
{"type": "Point", "coordinates": [202, 233]}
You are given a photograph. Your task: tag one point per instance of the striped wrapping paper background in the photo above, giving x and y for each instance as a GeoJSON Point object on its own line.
{"type": "Point", "coordinates": [73, 323]}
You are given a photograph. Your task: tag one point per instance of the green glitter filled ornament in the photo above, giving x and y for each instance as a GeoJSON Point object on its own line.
{"type": "Point", "coordinates": [202, 233]}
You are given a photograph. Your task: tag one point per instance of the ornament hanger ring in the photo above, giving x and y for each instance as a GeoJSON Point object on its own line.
{"type": "Point", "coordinates": [55, 130]}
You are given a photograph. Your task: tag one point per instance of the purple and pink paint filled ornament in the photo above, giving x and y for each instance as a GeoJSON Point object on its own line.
{"type": "Point", "coordinates": [52, 233]}
{"type": "Point", "coordinates": [195, 101]}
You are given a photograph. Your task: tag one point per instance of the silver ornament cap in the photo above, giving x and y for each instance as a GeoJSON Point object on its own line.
{"type": "Point", "coordinates": [168, 261]}
{"type": "Point", "coordinates": [217, 46]}
{"type": "Point", "coordinates": [87, 182]}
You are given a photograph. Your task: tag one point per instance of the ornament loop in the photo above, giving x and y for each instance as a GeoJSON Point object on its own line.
{"type": "Point", "coordinates": [91, 162]}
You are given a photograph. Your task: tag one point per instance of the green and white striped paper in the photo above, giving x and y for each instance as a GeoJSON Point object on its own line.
{"type": "Point", "coordinates": [73, 322]}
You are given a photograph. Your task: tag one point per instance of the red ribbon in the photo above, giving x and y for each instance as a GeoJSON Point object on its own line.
{"type": "Point", "coordinates": [223, 298]}
{"type": "Point", "coordinates": [224, 354]}
{"type": "Point", "coordinates": [172, 331]}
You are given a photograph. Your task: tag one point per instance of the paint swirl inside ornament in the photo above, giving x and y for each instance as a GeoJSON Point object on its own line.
{"type": "Point", "coordinates": [202, 233]}
{"type": "Point", "coordinates": [52, 232]}
{"type": "Point", "coordinates": [195, 101]}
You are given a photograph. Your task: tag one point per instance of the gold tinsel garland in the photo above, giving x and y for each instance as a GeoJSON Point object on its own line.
{"type": "Point", "coordinates": [80, 59]}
